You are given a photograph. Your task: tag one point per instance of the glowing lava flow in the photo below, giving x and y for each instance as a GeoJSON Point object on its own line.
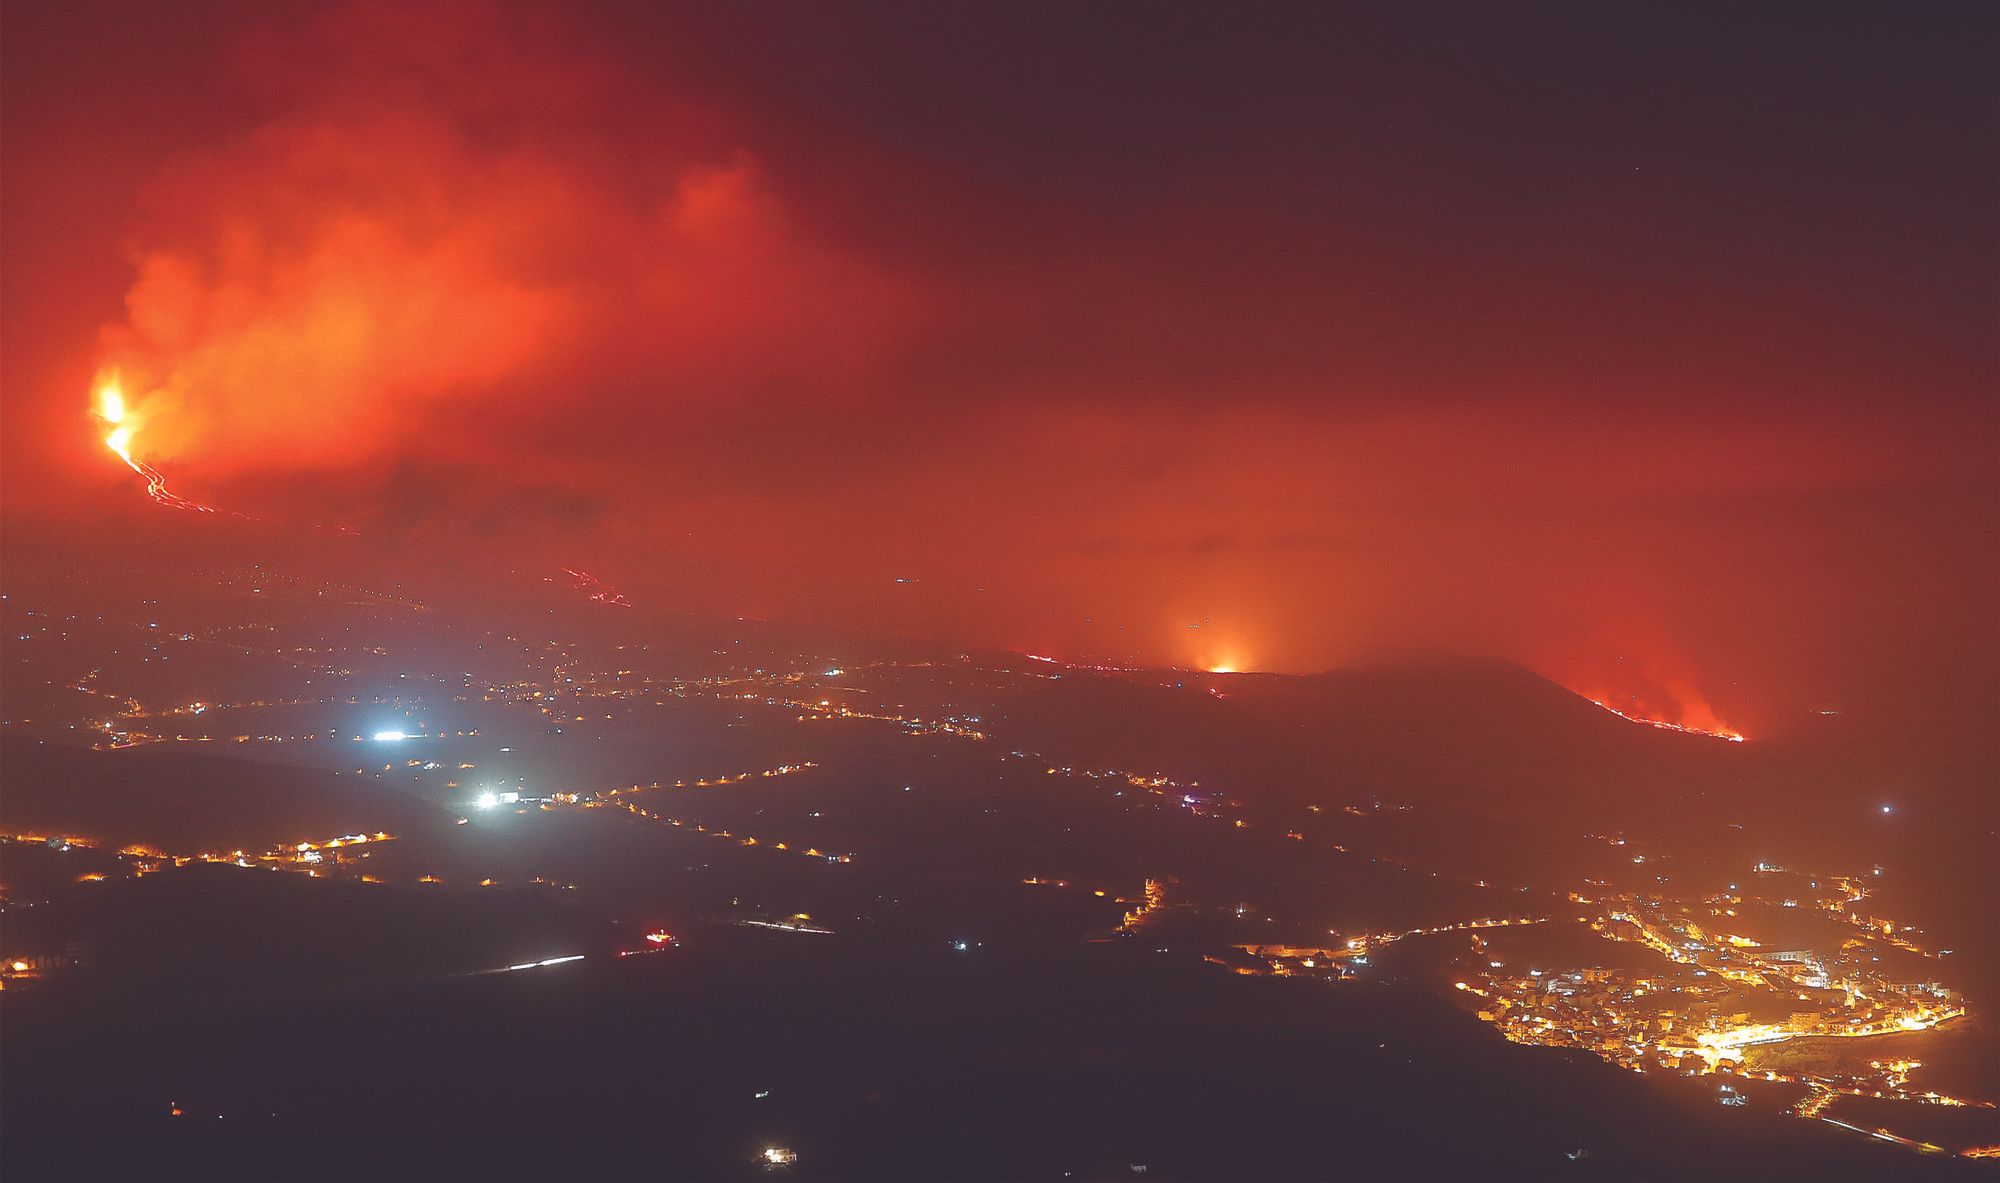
{"type": "Point", "coordinates": [111, 409]}
{"type": "Point", "coordinates": [596, 589]}
{"type": "Point", "coordinates": [112, 413]}
{"type": "Point", "coordinates": [1731, 736]}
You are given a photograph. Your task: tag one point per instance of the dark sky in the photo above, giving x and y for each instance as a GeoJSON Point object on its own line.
{"type": "Point", "coordinates": [1652, 345]}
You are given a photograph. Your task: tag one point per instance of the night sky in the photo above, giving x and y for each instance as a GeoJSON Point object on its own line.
{"type": "Point", "coordinates": [1651, 345]}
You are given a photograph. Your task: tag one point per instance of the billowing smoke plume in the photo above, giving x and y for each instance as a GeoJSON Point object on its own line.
{"type": "Point", "coordinates": [439, 225]}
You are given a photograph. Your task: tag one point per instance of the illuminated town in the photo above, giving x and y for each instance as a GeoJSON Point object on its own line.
{"type": "Point", "coordinates": [1715, 998]}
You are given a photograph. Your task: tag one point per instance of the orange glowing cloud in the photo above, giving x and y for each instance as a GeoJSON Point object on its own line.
{"type": "Point", "coordinates": [358, 280]}
{"type": "Point", "coordinates": [1132, 381]}
{"type": "Point", "coordinates": [298, 343]}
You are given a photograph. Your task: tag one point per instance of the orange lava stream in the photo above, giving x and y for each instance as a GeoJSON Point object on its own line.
{"type": "Point", "coordinates": [1731, 736]}
{"type": "Point", "coordinates": [596, 589]}
{"type": "Point", "coordinates": [111, 412]}
{"type": "Point", "coordinates": [111, 409]}
{"type": "Point", "coordinates": [156, 488]}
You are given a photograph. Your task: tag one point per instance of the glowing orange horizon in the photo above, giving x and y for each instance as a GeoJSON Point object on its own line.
{"type": "Point", "coordinates": [112, 410]}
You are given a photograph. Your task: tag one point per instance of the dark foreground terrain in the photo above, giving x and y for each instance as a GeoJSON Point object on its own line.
{"type": "Point", "coordinates": [310, 881]}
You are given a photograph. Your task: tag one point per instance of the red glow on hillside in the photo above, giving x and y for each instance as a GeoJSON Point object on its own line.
{"type": "Point", "coordinates": [1717, 731]}
{"type": "Point", "coordinates": [595, 589]}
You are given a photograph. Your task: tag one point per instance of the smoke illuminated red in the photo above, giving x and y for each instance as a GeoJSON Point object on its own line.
{"type": "Point", "coordinates": [1133, 374]}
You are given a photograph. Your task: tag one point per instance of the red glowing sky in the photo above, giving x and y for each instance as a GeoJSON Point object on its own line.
{"type": "Point", "coordinates": [1654, 349]}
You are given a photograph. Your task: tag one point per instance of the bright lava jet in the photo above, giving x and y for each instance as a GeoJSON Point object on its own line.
{"type": "Point", "coordinates": [111, 410]}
